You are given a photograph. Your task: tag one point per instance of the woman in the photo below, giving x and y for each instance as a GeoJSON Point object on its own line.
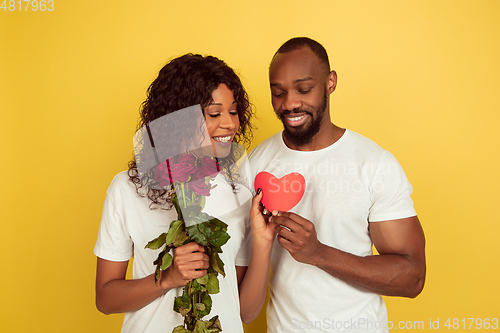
{"type": "Point", "coordinates": [134, 214]}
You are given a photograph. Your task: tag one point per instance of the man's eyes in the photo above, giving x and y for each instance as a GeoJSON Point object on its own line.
{"type": "Point", "coordinates": [300, 91]}
{"type": "Point", "coordinates": [304, 91]}
{"type": "Point", "coordinates": [277, 94]}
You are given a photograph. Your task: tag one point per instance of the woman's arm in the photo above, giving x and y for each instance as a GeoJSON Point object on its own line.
{"type": "Point", "coordinates": [253, 279]}
{"type": "Point", "coordinates": [115, 294]}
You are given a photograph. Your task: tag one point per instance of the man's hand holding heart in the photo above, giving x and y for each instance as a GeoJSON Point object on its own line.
{"type": "Point", "coordinates": [297, 235]}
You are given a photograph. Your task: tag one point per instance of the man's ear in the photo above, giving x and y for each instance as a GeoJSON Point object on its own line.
{"type": "Point", "coordinates": [331, 82]}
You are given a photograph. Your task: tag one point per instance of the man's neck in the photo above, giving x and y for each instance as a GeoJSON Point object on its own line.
{"type": "Point", "coordinates": [327, 136]}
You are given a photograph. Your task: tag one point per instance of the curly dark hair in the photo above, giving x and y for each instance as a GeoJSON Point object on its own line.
{"type": "Point", "coordinates": [183, 82]}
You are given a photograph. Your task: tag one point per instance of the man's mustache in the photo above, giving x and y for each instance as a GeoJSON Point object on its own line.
{"type": "Point", "coordinates": [285, 113]}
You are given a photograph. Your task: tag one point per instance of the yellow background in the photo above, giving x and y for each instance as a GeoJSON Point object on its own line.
{"type": "Point", "coordinates": [421, 78]}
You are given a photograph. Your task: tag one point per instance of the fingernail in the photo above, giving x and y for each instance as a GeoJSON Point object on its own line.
{"type": "Point", "coordinates": [259, 190]}
{"type": "Point", "coordinates": [275, 212]}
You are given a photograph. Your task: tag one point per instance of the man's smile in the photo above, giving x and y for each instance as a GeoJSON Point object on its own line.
{"type": "Point", "coordinates": [294, 119]}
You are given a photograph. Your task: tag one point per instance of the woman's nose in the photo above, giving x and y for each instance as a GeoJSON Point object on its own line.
{"type": "Point", "coordinates": [227, 121]}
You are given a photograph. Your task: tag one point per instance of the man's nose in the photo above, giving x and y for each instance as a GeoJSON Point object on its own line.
{"type": "Point", "coordinates": [291, 102]}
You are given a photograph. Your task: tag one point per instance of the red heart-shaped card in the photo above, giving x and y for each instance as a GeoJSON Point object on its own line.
{"type": "Point", "coordinates": [280, 193]}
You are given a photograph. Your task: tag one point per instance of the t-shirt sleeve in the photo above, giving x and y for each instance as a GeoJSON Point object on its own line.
{"type": "Point", "coordinates": [113, 240]}
{"type": "Point", "coordinates": [391, 191]}
{"type": "Point", "coordinates": [245, 251]}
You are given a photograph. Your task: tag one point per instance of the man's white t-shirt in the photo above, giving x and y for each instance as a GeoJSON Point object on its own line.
{"type": "Point", "coordinates": [348, 184]}
{"type": "Point", "coordinates": [128, 224]}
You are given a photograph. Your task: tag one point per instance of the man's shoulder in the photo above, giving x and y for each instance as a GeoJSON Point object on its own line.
{"type": "Point", "coordinates": [357, 140]}
{"type": "Point", "coordinates": [368, 151]}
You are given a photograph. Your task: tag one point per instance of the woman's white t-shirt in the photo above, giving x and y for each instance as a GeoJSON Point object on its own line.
{"type": "Point", "coordinates": [128, 224]}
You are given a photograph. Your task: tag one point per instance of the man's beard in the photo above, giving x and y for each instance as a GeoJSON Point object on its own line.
{"type": "Point", "coordinates": [299, 136]}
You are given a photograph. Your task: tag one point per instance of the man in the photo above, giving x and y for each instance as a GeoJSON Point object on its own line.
{"type": "Point", "coordinates": [324, 277]}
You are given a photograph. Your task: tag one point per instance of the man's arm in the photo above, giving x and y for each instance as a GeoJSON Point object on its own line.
{"type": "Point", "coordinates": [398, 270]}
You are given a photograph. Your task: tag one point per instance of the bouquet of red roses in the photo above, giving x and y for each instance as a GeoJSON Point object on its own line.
{"type": "Point", "coordinates": [187, 178]}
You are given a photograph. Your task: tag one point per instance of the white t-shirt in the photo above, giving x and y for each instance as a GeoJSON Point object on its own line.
{"type": "Point", "coordinates": [128, 224]}
{"type": "Point", "coordinates": [348, 184]}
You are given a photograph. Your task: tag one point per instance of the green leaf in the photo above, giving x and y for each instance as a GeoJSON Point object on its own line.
{"type": "Point", "coordinates": [158, 262]}
{"type": "Point", "coordinates": [205, 217]}
{"type": "Point", "coordinates": [156, 243]}
{"type": "Point", "coordinates": [197, 287]}
{"type": "Point", "coordinates": [213, 284]}
{"type": "Point", "coordinates": [216, 323]}
{"type": "Point", "coordinates": [182, 301]}
{"type": "Point", "coordinates": [205, 228]}
{"type": "Point", "coordinates": [166, 261]}
{"type": "Point", "coordinates": [173, 231]}
{"type": "Point", "coordinates": [200, 327]}
{"type": "Point", "coordinates": [175, 202]}
{"type": "Point", "coordinates": [203, 280]}
{"type": "Point", "coordinates": [221, 225]}
{"type": "Point", "coordinates": [210, 328]}
{"type": "Point", "coordinates": [220, 264]}
{"type": "Point", "coordinates": [199, 306]}
{"type": "Point", "coordinates": [181, 239]}
{"type": "Point", "coordinates": [193, 216]}
{"type": "Point", "coordinates": [194, 220]}
{"type": "Point", "coordinates": [157, 274]}
{"type": "Point", "coordinates": [185, 296]}
{"type": "Point", "coordinates": [192, 211]}
{"type": "Point", "coordinates": [197, 235]}
{"type": "Point", "coordinates": [177, 303]}
{"type": "Point", "coordinates": [216, 249]}
{"type": "Point", "coordinates": [180, 329]}
{"type": "Point", "coordinates": [207, 300]}
{"type": "Point", "coordinates": [185, 310]}
{"type": "Point", "coordinates": [217, 263]}
{"type": "Point", "coordinates": [219, 238]}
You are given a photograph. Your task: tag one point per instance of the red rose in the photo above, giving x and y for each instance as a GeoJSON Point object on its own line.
{"type": "Point", "coordinates": [169, 173]}
{"type": "Point", "coordinates": [187, 158]}
{"type": "Point", "coordinates": [162, 174]}
{"type": "Point", "coordinates": [188, 167]}
{"type": "Point", "coordinates": [200, 187]}
{"type": "Point", "coordinates": [206, 167]}
{"type": "Point", "coordinates": [181, 171]}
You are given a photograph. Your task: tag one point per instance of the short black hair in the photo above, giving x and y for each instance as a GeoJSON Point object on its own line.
{"type": "Point", "coordinates": [300, 42]}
